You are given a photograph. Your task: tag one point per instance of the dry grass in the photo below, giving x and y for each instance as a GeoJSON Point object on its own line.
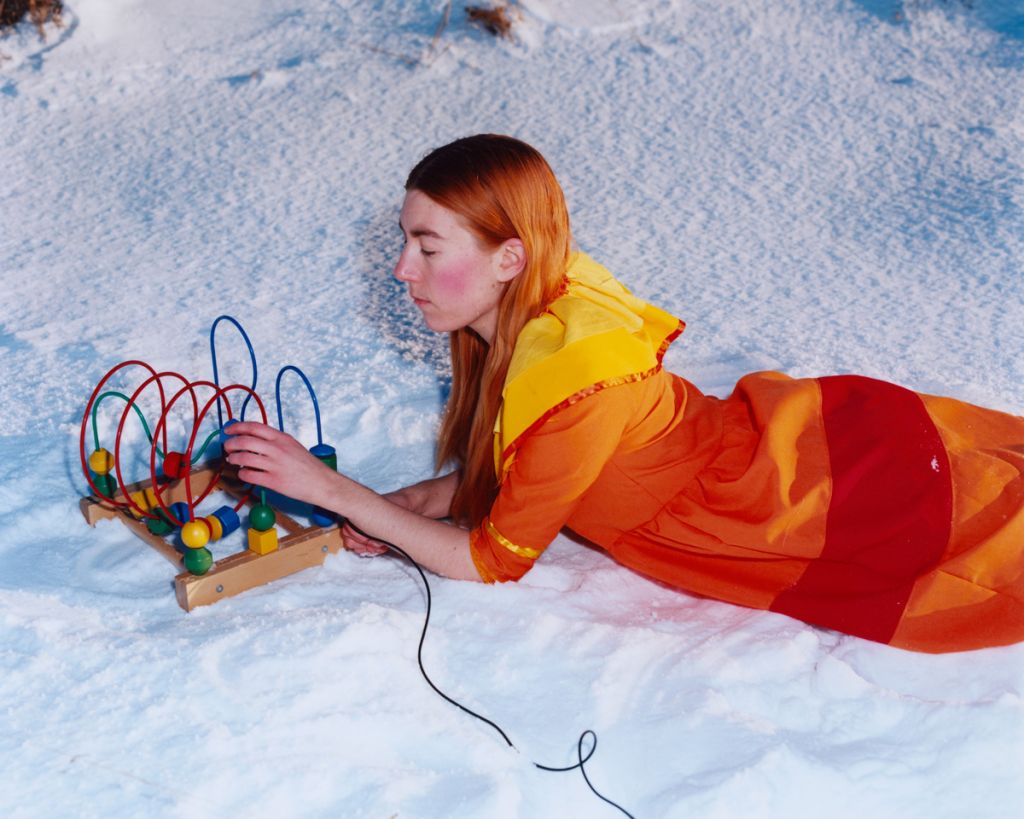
{"type": "Point", "coordinates": [39, 12]}
{"type": "Point", "coordinates": [497, 20]}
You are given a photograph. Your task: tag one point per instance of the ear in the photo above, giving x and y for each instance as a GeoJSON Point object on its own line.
{"type": "Point", "coordinates": [511, 259]}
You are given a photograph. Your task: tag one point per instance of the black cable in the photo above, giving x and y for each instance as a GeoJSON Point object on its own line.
{"type": "Point", "coordinates": [419, 659]}
{"type": "Point", "coordinates": [423, 636]}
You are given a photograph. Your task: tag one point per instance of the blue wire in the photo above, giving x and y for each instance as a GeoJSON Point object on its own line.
{"type": "Point", "coordinates": [312, 394]}
{"type": "Point", "coordinates": [216, 379]}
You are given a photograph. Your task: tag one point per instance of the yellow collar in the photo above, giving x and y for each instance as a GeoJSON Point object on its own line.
{"type": "Point", "coordinates": [597, 334]}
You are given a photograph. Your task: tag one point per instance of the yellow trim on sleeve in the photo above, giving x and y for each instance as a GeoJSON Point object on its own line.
{"type": "Point", "coordinates": [481, 566]}
{"type": "Point", "coordinates": [522, 551]}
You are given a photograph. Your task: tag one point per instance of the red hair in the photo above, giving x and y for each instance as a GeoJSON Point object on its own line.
{"type": "Point", "coordinates": [503, 189]}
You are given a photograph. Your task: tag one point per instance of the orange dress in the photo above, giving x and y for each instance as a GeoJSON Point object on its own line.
{"type": "Point", "coordinates": [843, 501]}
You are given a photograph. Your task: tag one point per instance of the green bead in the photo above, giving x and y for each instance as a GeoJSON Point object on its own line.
{"type": "Point", "coordinates": [106, 484]}
{"type": "Point", "coordinates": [327, 454]}
{"type": "Point", "coordinates": [261, 517]}
{"type": "Point", "coordinates": [331, 461]}
{"type": "Point", "coordinates": [159, 525]}
{"type": "Point", "coordinates": [198, 561]}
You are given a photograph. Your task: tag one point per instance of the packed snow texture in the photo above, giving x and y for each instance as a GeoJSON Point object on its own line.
{"type": "Point", "coordinates": [815, 187]}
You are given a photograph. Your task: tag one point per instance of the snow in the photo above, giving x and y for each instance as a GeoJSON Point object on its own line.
{"type": "Point", "coordinates": [815, 187]}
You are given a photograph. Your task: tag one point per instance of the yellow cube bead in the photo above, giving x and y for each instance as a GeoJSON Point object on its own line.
{"type": "Point", "coordinates": [101, 461]}
{"type": "Point", "coordinates": [216, 527]}
{"type": "Point", "coordinates": [150, 496]}
{"type": "Point", "coordinates": [263, 543]}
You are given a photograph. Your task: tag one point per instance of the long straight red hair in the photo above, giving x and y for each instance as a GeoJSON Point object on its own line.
{"type": "Point", "coordinates": [503, 189]}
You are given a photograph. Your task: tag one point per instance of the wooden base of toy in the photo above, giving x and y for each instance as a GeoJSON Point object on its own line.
{"type": "Point", "coordinates": [303, 547]}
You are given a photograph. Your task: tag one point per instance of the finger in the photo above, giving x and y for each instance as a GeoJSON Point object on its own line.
{"type": "Point", "coordinates": [253, 428]}
{"type": "Point", "coordinates": [244, 459]}
{"type": "Point", "coordinates": [248, 443]}
{"type": "Point", "coordinates": [353, 537]}
{"type": "Point", "coordinates": [360, 544]}
{"type": "Point", "coordinates": [368, 551]}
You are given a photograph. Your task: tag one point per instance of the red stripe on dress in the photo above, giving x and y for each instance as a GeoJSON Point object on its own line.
{"type": "Point", "coordinates": [889, 516]}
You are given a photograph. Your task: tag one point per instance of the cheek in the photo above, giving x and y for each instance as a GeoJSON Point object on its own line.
{"type": "Point", "coordinates": [456, 279]}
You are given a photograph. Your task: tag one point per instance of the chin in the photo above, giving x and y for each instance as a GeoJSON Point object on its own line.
{"type": "Point", "coordinates": [438, 326]}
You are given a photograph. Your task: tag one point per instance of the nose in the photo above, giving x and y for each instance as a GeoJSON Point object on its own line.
{"type": "Point", "coordinates": [404, 271]}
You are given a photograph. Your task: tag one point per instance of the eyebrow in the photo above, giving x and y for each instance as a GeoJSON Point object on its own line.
{"type": "Point", "coordinates": [416, 233]}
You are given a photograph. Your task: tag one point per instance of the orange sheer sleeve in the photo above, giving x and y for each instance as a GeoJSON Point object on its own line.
{"type": "Point", "coordinates": [554, 467]}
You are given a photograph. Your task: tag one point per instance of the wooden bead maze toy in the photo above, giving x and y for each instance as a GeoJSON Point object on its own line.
{"type": "Point", "coordinates": [162, 508]}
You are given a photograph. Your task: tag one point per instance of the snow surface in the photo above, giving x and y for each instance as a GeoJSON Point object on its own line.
{"type": "Point", "coordinates": [815, 186]}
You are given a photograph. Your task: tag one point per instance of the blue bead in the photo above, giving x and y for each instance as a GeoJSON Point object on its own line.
{"type": "Point", "coordinates": [321, 517]}
{"type": "Point", "coordinates": [228, 518]}
{"type": "Point", "coordinates": [224, 435]}
{"type": "Point", "coordinates": [322, 450]}
{"type": "Point", "coordinates": [180, 511]}
{"type": "Point", "coordinates": [327, 454]}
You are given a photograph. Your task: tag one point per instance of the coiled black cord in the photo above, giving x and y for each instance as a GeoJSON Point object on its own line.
{"type": "Point", "coordinates": [419, 659]}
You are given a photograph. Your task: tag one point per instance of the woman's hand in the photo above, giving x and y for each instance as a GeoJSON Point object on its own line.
{"type": "Point", "coordinates": [274, 460]}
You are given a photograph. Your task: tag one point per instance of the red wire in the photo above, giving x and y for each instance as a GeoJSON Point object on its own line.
{"type": "Point", "coordinates": [161, 427]}
{"type": "Point", "coordinates": [157, 377]}
{"type": "Point", "coordinates": [85, 425]}
{"type": "Point", "coordinates": [162, 423]}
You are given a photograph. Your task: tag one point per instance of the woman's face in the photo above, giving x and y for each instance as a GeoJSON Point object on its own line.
{"type": "Point", "coordinates": [454, 280]}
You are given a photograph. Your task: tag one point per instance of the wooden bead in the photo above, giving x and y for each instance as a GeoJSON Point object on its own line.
{"type": "Point", "coordinates": [159, 525]}
{"type": "Point", "coordinates": [224, 433]}
{"type": "Point", "coordinates": [262, 543]}
{"type": "Point", "coordinates": [327, 454]}
{"type": "Point", "coordinates": [261, 517]}
{"type": "Point", "coordinates": [195, 534]}
{"type": "Point", "coordinates": [179, 510]}
{"type": "Point", "coordinates": [101, 461]}
{"type": "Point", "coordinates": [140, 501]}
{"type": "Point", "coordinates": [216, 527]}
{"type": "Point", "coordinates": [198, 561]}
{"type": "Point", "coordinates": [106, 484]}
{"type": "Point", "coordinates": [228, 518]}
{"type": "Point", "coordinates": [176, 465]}
{"type": "Point", "coordinates": [322, 517]}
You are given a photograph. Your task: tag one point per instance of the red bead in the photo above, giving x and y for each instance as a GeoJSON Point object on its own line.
{"type": "Point", "coordinates": [176, 465]}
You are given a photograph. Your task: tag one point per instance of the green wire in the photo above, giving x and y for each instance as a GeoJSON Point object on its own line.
{"type": "Point", "coordinates": [96, 433]}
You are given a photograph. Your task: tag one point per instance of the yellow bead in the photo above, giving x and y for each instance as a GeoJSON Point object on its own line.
{"type": "Point", "coordinates": [216, 527]}
{"type": "Point", "coordinates": [262, 543]}
{"type": "Point", "coordinates": [195, 535]}
{"type": "Point", "coordinates": [140, 501]}
{"type": "Point", "coordinates": [101, 461]}
{"type": "Point", "coordinates": [150, 495]}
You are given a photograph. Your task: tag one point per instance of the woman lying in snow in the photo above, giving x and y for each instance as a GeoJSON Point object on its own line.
{"type": "Point", "coordinates": [843, 501]}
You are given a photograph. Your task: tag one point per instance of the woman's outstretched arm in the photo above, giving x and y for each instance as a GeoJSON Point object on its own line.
{"type": "Point", "coordinates": [273, 459]}
{"type": "Point", "coordinates": [431, 498]}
